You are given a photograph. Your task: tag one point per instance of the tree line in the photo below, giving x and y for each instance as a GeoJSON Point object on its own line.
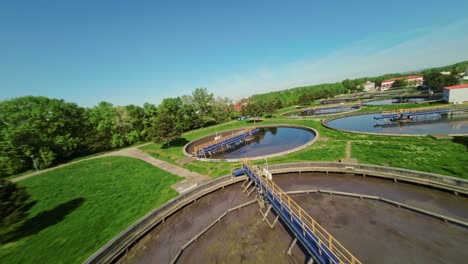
{"type": "Point", "coordinates": [37, 132]}
{"type": "Point", "coordinates": [308, 94]}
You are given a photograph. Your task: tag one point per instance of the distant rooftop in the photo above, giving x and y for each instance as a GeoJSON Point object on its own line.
{"type": "Point", "coordinates": [459, 86]}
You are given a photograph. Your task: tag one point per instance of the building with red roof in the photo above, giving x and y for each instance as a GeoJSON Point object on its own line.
{"type": "Point", "coordinates": [456, 94]}
{"type": "Point", "coordinates": [412, 80]}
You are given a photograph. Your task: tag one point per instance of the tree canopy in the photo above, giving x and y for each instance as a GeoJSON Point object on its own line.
{"type": "Point", "coordinates": [42, 131]}
{"type": "Point", "coordinates": [439, 81]}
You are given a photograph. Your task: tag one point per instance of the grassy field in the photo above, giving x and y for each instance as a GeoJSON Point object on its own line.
{"type": "Point", "coordinates": [420, 153]}
{"type": "Point", "coordinates": [442, 156]}
{"type": "Point", "coordinates": [79, 208]}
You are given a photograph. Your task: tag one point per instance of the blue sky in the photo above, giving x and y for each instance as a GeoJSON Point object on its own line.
{"type": "Point", "coordinates": [131, 52]}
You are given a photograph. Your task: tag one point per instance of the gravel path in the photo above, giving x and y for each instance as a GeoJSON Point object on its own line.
{"type": "Point", "coordinates": [192, 179]}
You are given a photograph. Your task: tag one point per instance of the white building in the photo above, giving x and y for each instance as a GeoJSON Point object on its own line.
{"type": "Point", "coordinates": [456, 94]}
{"type": "Point", "coordinates": [412, 80]}
{"type": "Point", "coordinates": [368, 86]}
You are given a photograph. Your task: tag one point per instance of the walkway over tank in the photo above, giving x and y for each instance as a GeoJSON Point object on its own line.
{"type": "Point", "coordinates": [319, 243]}
{"type": "Point", "coordinates": [406, 113]}
{"type": "Point", "coordinates": [200, 151]}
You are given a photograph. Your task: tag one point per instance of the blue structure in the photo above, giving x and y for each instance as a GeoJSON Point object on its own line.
{"type": "Point", "coordinates": [407, 114]}
{"type": "Point", "coordinates": [224, 143]}
{"type": "Point", "coordinates": [318, 242]}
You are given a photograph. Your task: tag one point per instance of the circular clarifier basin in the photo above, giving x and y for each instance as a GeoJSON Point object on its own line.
{"type": "Point", "coordinates": [427, 125]}
{"type": "Point", "coordinates": [372, 230]}
{"type": "Point", "coordinates": [320, 111]}
{"type": "Point", "coordinates": [403, 100]}
{"type": "Point", "coordinates": [268, 141]}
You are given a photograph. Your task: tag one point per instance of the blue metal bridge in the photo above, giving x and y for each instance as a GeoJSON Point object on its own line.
{"type": "Point", "coordinates": [223, 143]}
{"type": "Point", "coordinates": [319, 243]}
{"type": "Point", "coordinates": [409, 113]}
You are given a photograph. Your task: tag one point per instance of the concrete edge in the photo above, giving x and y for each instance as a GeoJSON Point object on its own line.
{"type": "Point", "coordinates": [335, 114]}
{"type": "Point", "coordinates": [315, 132]}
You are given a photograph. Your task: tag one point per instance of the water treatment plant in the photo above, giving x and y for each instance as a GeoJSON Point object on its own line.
{"type": "Point", "coordinates": [237, 132]}
{"type": "Point", "coordinates": [371, 215]}
{"type": "Point", "coordinates": [313, 212]}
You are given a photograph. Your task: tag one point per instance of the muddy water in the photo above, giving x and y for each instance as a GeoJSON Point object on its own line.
{"type": "Point", "coordinates": [243, 238]}
{"type": "Point", "coordinates": [377, 232]}
{"type": "Point", "coordinates": [419, 196]}
{"type": "Point", "coordinates": [163, 243]}
{"type": "Point", "coordinates": [374, 231]}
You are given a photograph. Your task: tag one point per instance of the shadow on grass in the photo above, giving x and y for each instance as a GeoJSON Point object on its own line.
{"type": "Point", "coordinates": [180, 142]}
{"type": "Point", "coordinates": [461, 140]}
{"type": "Point", "coordinates": [42, 221]}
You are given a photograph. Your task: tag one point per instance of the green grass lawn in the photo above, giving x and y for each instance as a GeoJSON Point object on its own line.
{"type": "Point", "coordinates": [82, 206]}
{"type": "Point", "coordinates": [442, 156]}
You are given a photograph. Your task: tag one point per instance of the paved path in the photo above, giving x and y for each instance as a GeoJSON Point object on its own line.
{"type": "Point", "coordinates": [348, 153]}
{"type": "Point", "coordinates": [348, 149]}
{"type": "Point", "coordinates": [192, 179]}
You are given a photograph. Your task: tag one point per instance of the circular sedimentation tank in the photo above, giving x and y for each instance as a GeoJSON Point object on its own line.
{"type": "Point", "coordinates": [404, 100]}
{"type": "Point", "coordinates": [372, 230]}
{"type": "Point", "coordinates": [450, 123]}
{"type": "Point", "coordinates": [266, 141]}
{"type": "Point", "coordinates": [321, 111]}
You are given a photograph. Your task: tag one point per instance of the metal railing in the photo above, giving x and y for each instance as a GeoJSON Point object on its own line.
{"type": "Point", "coordinates": [325, 241]}
{"type": "Point", "coordinates": [414, 110]}
{"type": "Point", "coordinates": [448, 183]}
{"type": "Point", "coordinates": [200, 147]}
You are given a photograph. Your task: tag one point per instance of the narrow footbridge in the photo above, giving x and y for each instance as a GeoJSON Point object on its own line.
{"type": "Point", "coordinates": [319, 243]}
{"type": "Point", "coordinates": [408, 113]}
{"type": "Point", "coordinates": [222, 143]}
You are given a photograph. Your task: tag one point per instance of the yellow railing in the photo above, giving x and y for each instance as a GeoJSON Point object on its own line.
{"type": "Point", "coordinates": [324, 238]}
{"type": "Point", "coordinates": [413, 110]}
{"type": "Point", "coordinates": [216, 141]}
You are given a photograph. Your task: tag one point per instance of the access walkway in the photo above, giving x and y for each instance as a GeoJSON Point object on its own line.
{"type": "Point", "coordinates": [222, 143]}
{"type": "Point", "coordinates": [322, 246]}
{"type": "Point", "coordinates": [408, 113]}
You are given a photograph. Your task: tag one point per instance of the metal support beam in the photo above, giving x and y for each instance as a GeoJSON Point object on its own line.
{"type": "Point", "coordinates": [248, 186]}
{"type": "Point", "coordinates": [251, 190]}
{"type": "Point", "coordinates": [293, 243]}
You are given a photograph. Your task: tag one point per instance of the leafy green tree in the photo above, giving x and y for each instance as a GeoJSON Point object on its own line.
{"type": "Point", "coordinates": [150, 112]}
{"type": "Point", "coordinates": [168, 124]}
{"type": "Point", "coordinates": [438, 80]}
{"type": "Point", "coordinates": [136, 116]}
{"type": "Point", "coordinates": [39, 130]}
{"type": "Point", "coordinates": [278, 103]}
{"type": "Point", "coordinates": [304, 99]}
{"type": "Point", "coordinates": [190, 118]}
{"type": "Point", "coordinates": [203, 101]}
{"type": "Point", "coordinates": [13, 202]}
{"type": "Point", "coordinates": [349, 85]}
{"type": "Point", "coordinates": [221, 110]}
{"type": "Point", "coordinates": [400, 83]}
{"type": "Point", "coordinates": [254, 110]}
{"type": "Point", "coordinates": [102, 119]}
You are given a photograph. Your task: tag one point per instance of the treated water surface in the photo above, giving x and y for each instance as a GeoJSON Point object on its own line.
{"type": "Point", "coordinates": [366, 123]}
{"type": "Point", "coordinates": [268, 141]}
